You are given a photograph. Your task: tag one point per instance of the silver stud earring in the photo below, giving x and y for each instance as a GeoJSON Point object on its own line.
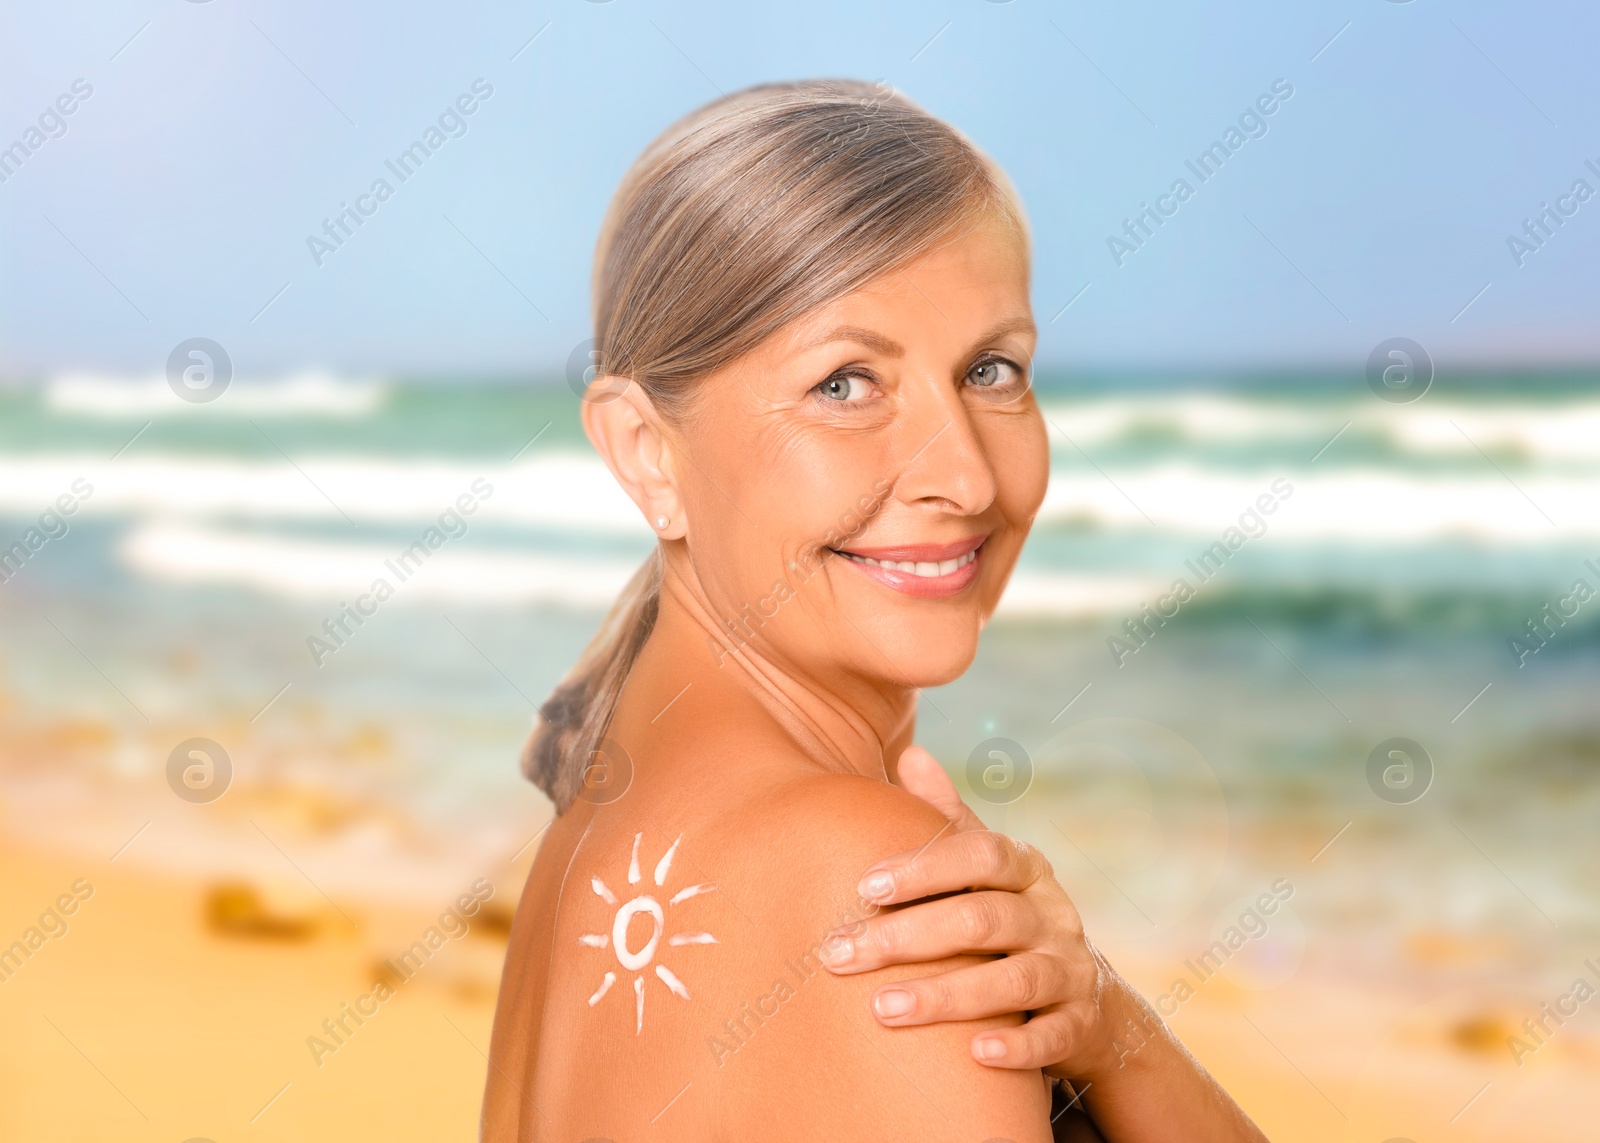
{"type": "Point", "coordinates": [661, 523]}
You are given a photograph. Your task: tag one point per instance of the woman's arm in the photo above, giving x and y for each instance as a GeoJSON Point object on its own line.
{"type": "Point", "coordinates": [1087, 1025]}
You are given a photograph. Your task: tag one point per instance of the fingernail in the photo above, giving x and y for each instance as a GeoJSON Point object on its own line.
{"type": "Point", "coordinates": [836, 951]}
{"type": "Point", "coordinates": [877, 886]}
{"type": "Point", "coordinates": [893, 1002]}
{"type": "Point", "coordinates": [989, 1049]}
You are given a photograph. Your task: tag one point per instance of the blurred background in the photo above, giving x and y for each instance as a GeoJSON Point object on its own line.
{"type": "Point", "coordinates": [238, 378]}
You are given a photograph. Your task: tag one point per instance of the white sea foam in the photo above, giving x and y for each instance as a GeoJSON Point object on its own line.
{"type": "Point", "coordinates": [311, 569]}
{"type": "Point", "coordinates": [1568, 431]}
{"type": "Point", "coordinates": [1076, 596]}
{"type": "Point", "coordinates": [573, 492]}
{"type": "Point", "coordinates": [559, 489]}
{"type": "Point", "coordinates": [308, 393]}
{"type": "Point", "coordinates": [1363, 505]}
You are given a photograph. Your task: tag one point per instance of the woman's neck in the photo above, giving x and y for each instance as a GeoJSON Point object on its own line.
{"type": "Point", "coordinates": [842, 723]}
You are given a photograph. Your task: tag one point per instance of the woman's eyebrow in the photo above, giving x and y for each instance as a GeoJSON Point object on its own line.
{"type": "Point", "coordinates": [874, 341]}
{"type": "Point", "coordinates": [1021, 323]}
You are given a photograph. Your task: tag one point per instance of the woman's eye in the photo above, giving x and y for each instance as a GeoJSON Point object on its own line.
{"type": "Point", "coordinates": [993, 374]}
{"type": "Point", "coordinates": [845, 387]}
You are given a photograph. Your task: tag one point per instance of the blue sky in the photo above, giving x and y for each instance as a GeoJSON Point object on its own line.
{"type": "Point", "coordinates": [1378, 203]}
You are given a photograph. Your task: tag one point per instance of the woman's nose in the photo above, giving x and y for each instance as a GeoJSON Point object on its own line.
{"type": "Point", "coordinates": [946, 461]}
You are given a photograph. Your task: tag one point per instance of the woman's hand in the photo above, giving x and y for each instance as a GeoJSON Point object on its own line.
{"type": "Point", "coordinates": [1013, 906]}
{"type": "Point", "coordinates": [1083, 1022]}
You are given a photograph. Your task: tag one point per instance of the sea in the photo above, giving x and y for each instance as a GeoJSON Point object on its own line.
{"type": "Point", "coordinates": [1382, 693]}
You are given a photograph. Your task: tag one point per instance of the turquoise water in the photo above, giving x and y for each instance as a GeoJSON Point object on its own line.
{"type": "Point", "coordinates": [1379, 601]}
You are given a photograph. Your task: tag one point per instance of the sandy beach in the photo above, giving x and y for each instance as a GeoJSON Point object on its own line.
{"type": "Point", "coordinates": [149, 1019]}
{"type": "Point", "coordinates": [155, 1017]}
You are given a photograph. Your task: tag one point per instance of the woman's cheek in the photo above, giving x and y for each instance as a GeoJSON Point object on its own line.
{"type": "Point", "coordinates": [1041, 474]}
{"type": "Point", "coordinates": [835, 496]}
{"type": "Point", "coordinates": [1021, 462]}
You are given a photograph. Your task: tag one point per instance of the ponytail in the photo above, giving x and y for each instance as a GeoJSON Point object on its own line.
{"type": "Point", "coordinates": [573, 720]}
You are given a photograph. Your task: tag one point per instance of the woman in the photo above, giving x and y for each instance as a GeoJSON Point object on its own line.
{"type": "Point", "coordinates": [812, 318]}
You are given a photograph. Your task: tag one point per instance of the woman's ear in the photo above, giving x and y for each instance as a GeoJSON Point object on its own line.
{"type": "Point", "coordinates": [630, 437]}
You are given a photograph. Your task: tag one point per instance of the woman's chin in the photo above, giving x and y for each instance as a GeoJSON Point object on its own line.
{"type": "Point", "coordinates": [921, 655]}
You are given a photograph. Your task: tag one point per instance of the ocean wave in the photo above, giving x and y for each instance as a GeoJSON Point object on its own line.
{"type": "Point", "coordinates": [298, 568]}
{"type": "Point", "coordinates": [308, 393]}
{"type": "Point", "coordinates": [574, 492]}
{"type": "Point", "coordinates": [1364, 505]}
{"type": "Point", "coordinates": [554, 489]}
{"type": "Point", "coordinates": [1546, 432]}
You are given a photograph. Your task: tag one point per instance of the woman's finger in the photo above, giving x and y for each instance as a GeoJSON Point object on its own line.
{"type": "Point", "coordinates": [967, 922]}
{"type": "Point", "coordinates": [975, 859]}
{"type": "Point", "coordinates": [921, 775]}
{"type": "Point", "coordinates": [1021, 983]}
{"type": "Point", "coordinates": [1040, 1043]}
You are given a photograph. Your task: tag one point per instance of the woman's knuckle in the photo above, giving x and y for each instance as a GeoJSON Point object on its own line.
{"type": "Point", "coordinates": [1067, 980]}
{"type": "Point", "coordinates": [885, 937]}
{"type": "Point", "coordinates": [1026, 1049]}
{"type": "Point", "coordinates": [1023, 980]}
{"type": "Point", "coordinates": [994, 852]}
{"type": "Point", "coordinates": [1028, 860]}
{"type": "Point", "coordinates": [1047, 871]}
{"type": "Point", "coordinates": [1056, 1039]}
{"type": "Point", "coordinates": [977, 920]}
{"type": "Point", "coordinates": [936, 995]}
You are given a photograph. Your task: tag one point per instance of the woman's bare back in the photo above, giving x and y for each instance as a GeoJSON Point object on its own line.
{"type": "Point", "coordinates": [663, 979]}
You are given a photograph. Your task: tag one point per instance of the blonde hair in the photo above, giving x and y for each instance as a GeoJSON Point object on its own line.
{"type": "Point", "coordinates": [740, 218]}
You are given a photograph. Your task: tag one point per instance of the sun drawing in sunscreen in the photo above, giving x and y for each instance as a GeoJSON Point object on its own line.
{"type": "Point", "coordinates": [634, 960]}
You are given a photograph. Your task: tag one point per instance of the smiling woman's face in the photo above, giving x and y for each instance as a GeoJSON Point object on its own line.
{"type": "Point", "coordinates": [857, 489]}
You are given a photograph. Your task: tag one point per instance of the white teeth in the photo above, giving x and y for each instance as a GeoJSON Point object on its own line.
{"type": "Point", "coordinates": [926, 569]}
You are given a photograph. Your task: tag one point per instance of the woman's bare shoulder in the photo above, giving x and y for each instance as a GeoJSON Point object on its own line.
{"type": "Point", "coordinates": [771, 826]}
{"type": "Point", "coordinates": [831, 819]}
{"type": "Point", "coordinates": [787, 865]}
{"type": "Point", "coordinates": [793, 853]}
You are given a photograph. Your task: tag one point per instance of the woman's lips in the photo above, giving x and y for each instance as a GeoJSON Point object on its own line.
{"type": "Point", "coordinates": [929, 571]}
